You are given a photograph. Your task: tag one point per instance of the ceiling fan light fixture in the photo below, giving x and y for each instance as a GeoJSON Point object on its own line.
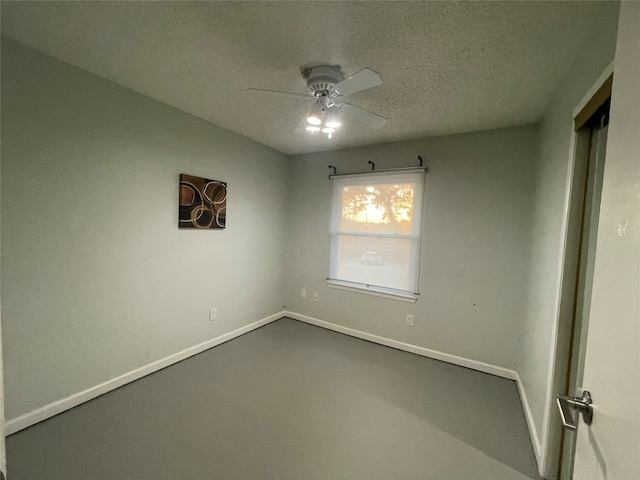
{"type": "Point", "coordinates": [315, 114]}
{"type": "Point", "coordinates": [333, 119]}
{"type": "Point", "coordinates": [327, 88]}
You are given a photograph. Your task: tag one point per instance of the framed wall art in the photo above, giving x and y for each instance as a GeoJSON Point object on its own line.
{"type": "Point", "coordinates": [202, 203]}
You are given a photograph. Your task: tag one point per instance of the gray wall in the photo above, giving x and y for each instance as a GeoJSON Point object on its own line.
{"type": "Point", "coordinates": [548, 219]}
{"type": "Point", "coordinates": [476, 232]}
{"type": "Point", "coordinates": [97, 280]}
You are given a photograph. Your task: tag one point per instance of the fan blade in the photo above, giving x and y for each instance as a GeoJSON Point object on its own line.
{"type": "Point", "coordinates": [357, 82]}
{"type": "Point", "coordinates": [297, 96]}
{"type": "Point", "coordinates": [363, 116]}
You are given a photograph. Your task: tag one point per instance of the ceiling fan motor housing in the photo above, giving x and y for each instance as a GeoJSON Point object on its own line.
{"type": "Point", "coordinates": [320, 80]}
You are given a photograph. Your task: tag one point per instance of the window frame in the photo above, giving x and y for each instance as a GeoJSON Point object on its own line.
{"type": "Point", "coordinates": [407, 175]}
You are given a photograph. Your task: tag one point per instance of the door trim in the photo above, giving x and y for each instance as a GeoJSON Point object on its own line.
{"type": "Point", "coordinates": [562, 314]}
{"type": "Point", "coordinates": [594, 103]}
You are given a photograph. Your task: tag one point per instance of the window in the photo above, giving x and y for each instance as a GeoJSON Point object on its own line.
{"type": "Point", "coordinates": [375, 232]}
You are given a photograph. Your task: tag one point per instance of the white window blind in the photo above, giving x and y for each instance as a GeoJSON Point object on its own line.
{"type": "Point", "coordinates": [375, 232]}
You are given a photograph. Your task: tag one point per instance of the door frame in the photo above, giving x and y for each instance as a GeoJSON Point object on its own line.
{"type": "Point", "coordinates": [565, 284]}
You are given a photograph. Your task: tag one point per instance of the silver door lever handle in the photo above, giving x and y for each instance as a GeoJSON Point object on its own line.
{"type": "Point", "coordinates": [581, 405]}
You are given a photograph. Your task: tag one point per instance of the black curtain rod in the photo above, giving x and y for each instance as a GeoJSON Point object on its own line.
{"type": "Point", "coordinates": [373, 169]}
{"type": "Point", "coordinates": [385, 170]}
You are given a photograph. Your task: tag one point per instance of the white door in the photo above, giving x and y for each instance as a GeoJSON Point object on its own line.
{"type": "Point", "coordinates": [610, 447]}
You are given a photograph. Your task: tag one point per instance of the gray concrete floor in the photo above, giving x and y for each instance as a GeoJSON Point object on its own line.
{"type": "Point", "coordinates": [288, 401]}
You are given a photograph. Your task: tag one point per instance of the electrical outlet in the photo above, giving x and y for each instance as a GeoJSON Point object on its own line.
{"type": "Point", "coordinates": [315, 296]}
{"type": "Point", "coordinates": [213, 314]}
{"type": "Point", "coordinates": [303, 293]}
{"type": "Point", "coordinates": [409, 320]}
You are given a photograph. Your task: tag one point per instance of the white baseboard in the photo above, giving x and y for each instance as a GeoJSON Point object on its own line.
{"type": "Point", "coordinates": [59, 406]}
{"type": "Point", "coordinates": [445, 357]}
{"type": "Point", "coordinates": [407, 347]}
{"type": "Point", "coordinates": [533, 432]}
{"type": "Point", "coordinates": [23, 421]}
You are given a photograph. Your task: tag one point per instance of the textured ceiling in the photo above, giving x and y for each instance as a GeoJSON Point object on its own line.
{"type": "Point", "coordinates": [447, 67]}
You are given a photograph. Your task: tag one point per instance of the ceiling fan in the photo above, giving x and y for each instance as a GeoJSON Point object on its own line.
{"type": "Point", "coordinates": [328, 88]}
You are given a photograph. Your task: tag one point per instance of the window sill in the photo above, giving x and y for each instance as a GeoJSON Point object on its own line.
{"type": "Point", "coordinates": [374, 291]}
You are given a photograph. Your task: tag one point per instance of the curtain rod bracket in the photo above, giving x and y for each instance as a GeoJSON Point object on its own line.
{"type": "Point", "coordinates": [334, 170]}
{"type": "Point", "coordinates": [420, 158]}
{"type": "Point", "coordinates": [373, 165]}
